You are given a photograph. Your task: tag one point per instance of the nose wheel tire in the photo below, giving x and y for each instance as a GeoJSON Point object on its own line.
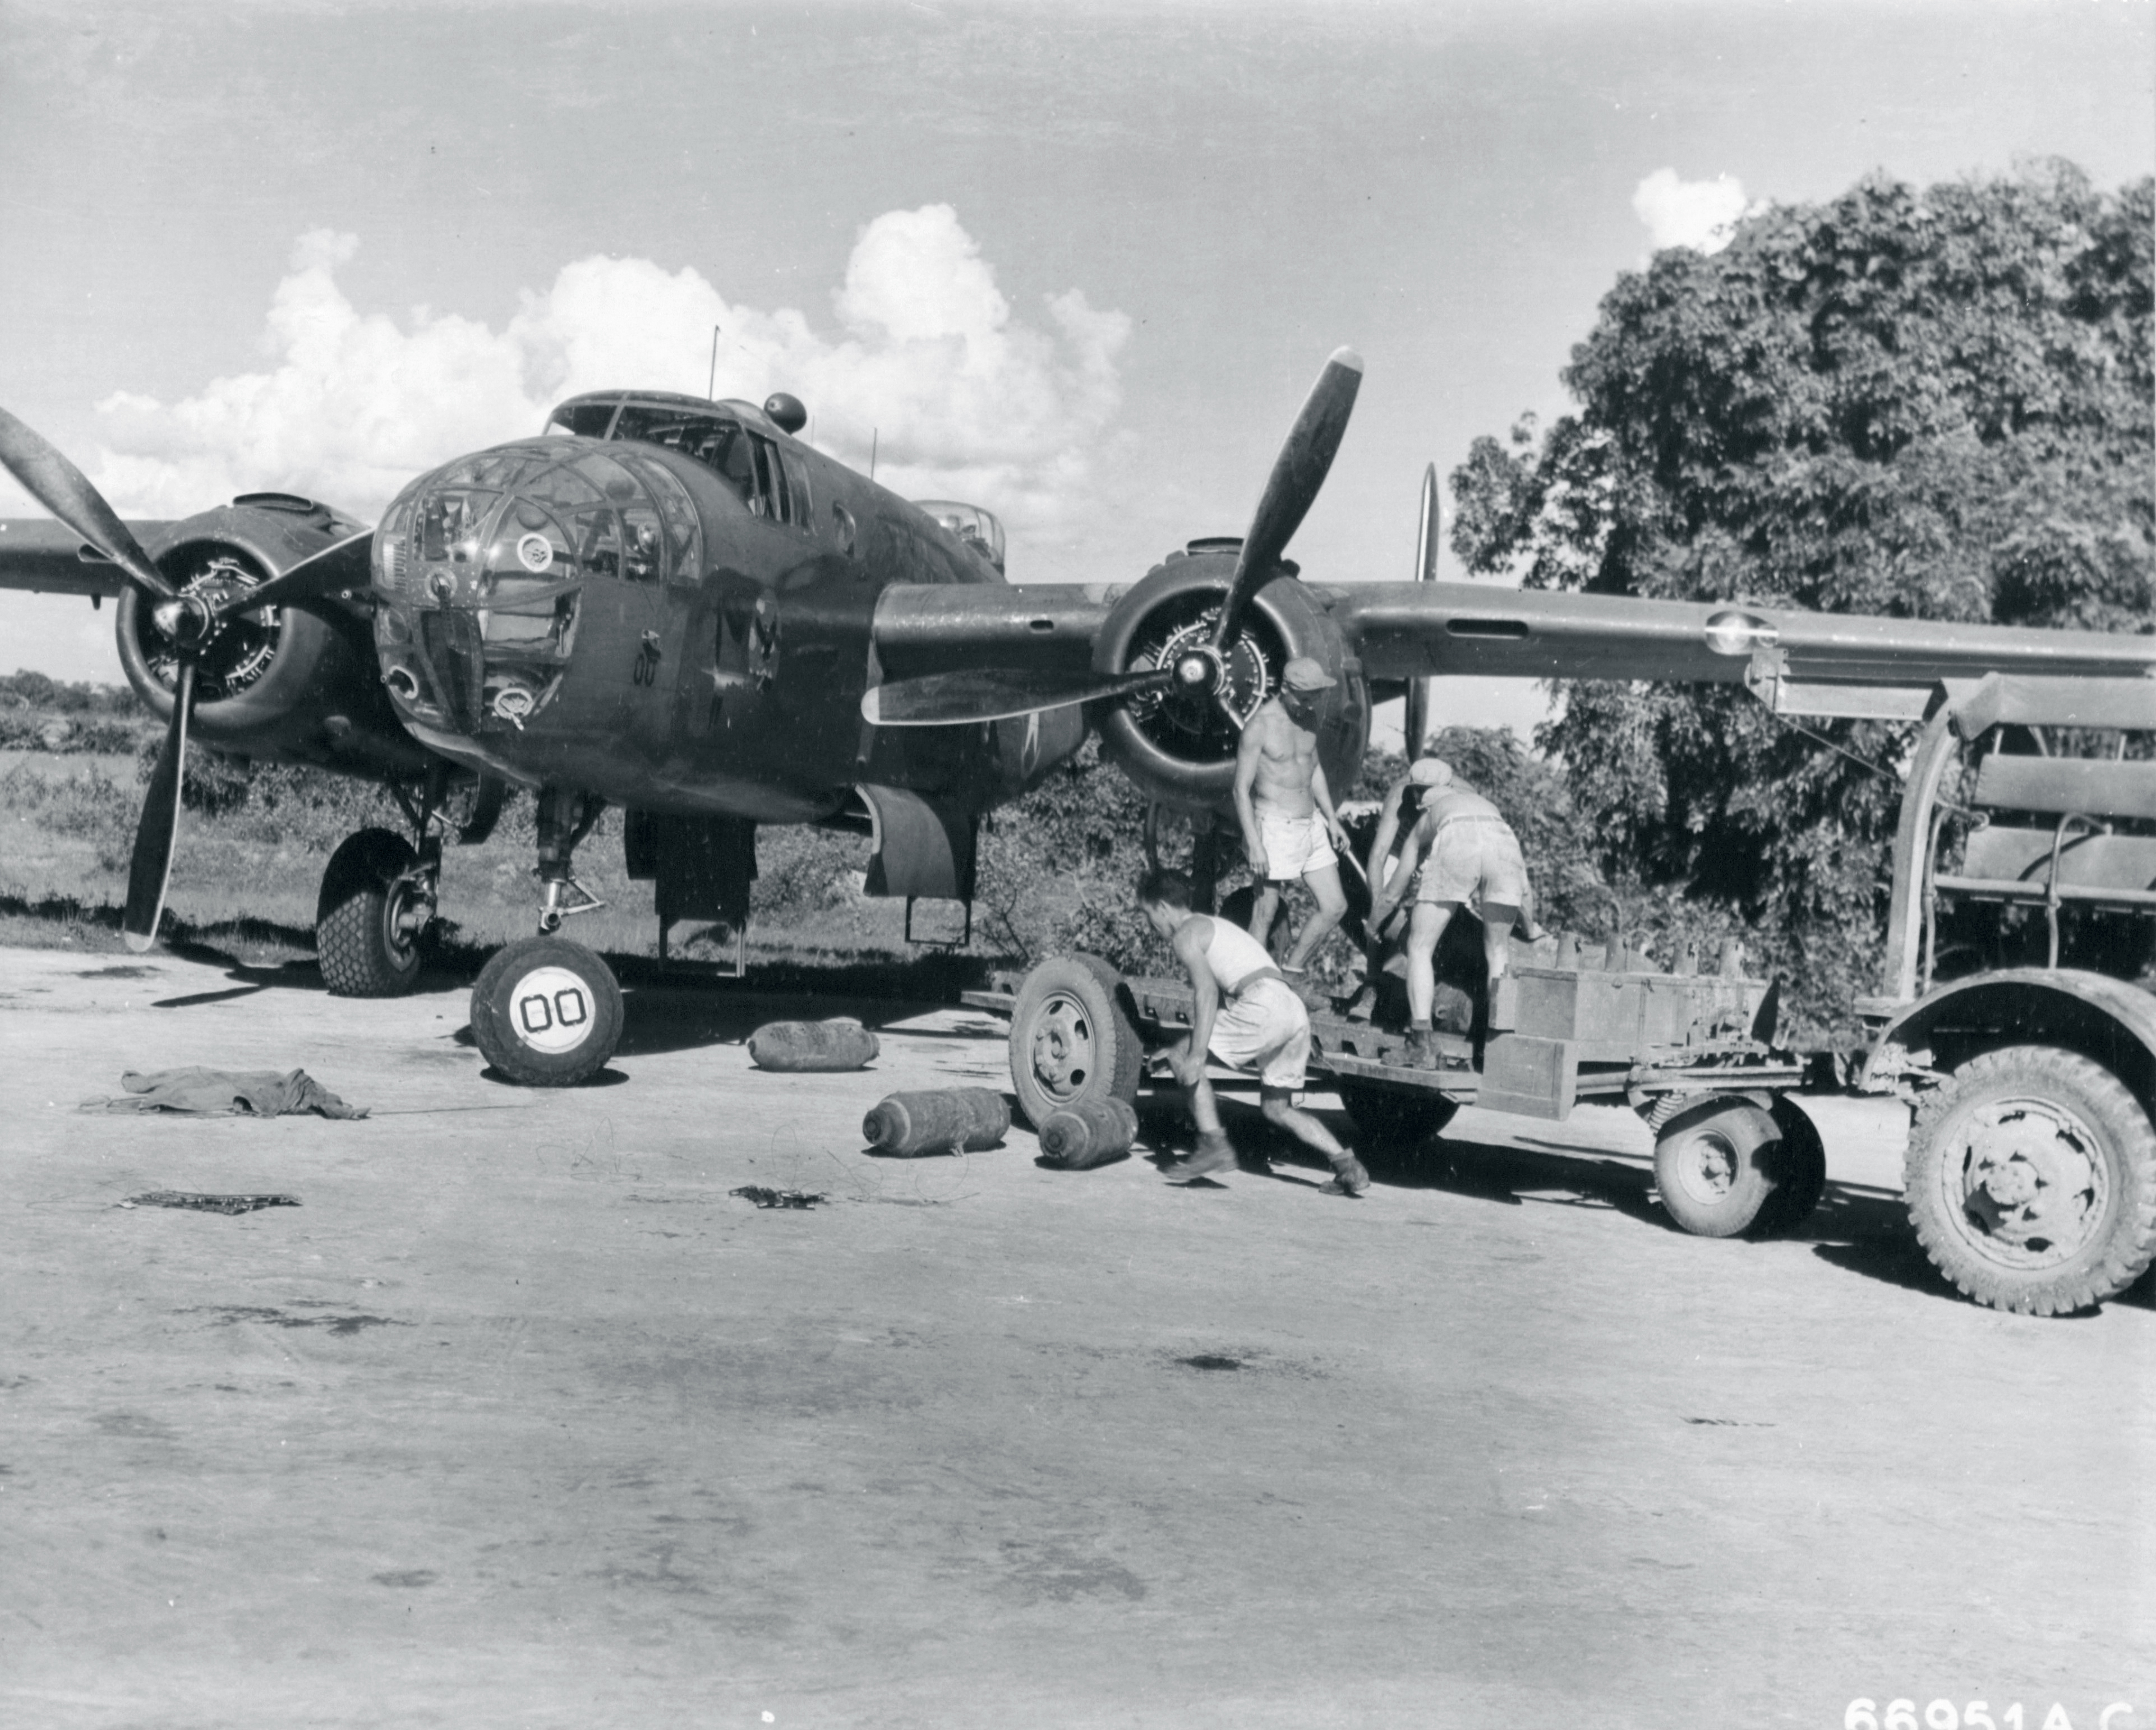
{"type": "Point", "coordinates": [370, 917]}
{"type": "Point", "coordinates": [2031, 1181]}
{"type": "Point", "coordinates": [547, 1013]}
{"type": "Point", "coordinates": [1071, 1039]}
{"type": "Point", "coordinates": [1714, 1167]}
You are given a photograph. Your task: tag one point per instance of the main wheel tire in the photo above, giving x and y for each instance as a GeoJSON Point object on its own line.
{"type": "Point", "coordinates": [1395, 1118]}
{"type": "Point", "coordinates": [1714, 1166]}
{"type": "Point", "coordinates": [547, 1012]}
{"type": "Point", "coordinates": [2031, 1181]}
{"type": "Point", "coordinates": [1070, 1039]}
{"type": "Point", "coordinates": [362, 934]}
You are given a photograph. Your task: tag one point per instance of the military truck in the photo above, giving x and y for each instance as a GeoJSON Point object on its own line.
{"type": "Point", "coordinates": [2013, 1020]}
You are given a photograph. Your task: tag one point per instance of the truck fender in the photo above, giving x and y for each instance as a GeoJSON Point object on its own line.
{"type": "Point", "coordinates": [2104, 1018]}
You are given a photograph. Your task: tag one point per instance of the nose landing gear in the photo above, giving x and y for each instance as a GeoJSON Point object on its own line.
{"type": "Point", "coordinates": [546, 1011]}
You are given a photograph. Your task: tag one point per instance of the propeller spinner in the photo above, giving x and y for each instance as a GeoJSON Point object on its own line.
{"type": "Point", "coordinates": [1299, 472]}
{"type": "Point", "coordinates": [190, 621]}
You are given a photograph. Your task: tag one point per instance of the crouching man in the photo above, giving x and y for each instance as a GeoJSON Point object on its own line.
{"type": "Point", "coordinates": [1246, 1016]}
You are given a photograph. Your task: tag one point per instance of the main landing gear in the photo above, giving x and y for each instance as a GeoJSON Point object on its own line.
{"type": "Point", "coordinates": [547, 1012]}
{"type": "Point", "coordinates": [379, 894]}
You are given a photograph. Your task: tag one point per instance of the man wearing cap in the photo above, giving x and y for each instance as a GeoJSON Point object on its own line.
{"type": "Point", "coordinates": [1244, 1014]}
{"type": "Point", "coordinates": [1467, 852]}
{"type": "Point", "coordinates": [1287, 811]}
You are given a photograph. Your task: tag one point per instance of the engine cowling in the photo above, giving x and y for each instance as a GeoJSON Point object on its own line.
{"type": "Point", "coordinates": [1180, 748]}
{"type": "Point", "coordinates": [294, 686]}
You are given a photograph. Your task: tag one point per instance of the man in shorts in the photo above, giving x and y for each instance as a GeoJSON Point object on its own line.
{"type": "Point", "coordinates": [1467, 852]}
{"type": "Point", "coordinates": [1286, 808]}
{"type": "Point", "coordinates": [1245, 1016]}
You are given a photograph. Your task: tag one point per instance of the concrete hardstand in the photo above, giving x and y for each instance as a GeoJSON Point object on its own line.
{"type": "Point", "coordinates": [523, 1417]}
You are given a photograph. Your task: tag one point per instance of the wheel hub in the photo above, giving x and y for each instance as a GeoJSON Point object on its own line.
{"type": "Point", "coordinates": [2031, 1183]}
{"type": "Point", "coordinates": [1709, 1169]}
{"type": "Point", "coordinates": [551, 1010]}
{"type": "Point", "coordinates": [1062, 1055]}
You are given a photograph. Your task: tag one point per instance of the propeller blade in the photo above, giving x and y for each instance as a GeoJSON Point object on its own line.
{"type": "Point", "coordinates": [318, 574]}
{"type": "Point", "coordinates": [65, 491]}
{"type": "Point", "coordinates": [156, 832]}
{"type": "Point", "coordinates": [965, 699]}
{"type": "Point", "coordinates": [1414, 720]}
{"type": "Point", "coordinates": [1298, 473]}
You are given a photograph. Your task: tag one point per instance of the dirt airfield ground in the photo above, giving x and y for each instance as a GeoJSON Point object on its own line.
{"type": "Point", "coordinates": [523, 1419]}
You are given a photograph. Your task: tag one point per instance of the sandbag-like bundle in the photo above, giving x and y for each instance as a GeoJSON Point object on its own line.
{"type": "Point", "coordinates": [794, 1045]}
{"type": "Point", "coordinates": [945, 1120]}
{"type": "Point", "coordinates": [1088, 1133]}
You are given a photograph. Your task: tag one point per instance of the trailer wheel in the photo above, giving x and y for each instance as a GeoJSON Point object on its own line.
{"type": "Point", "coordinates": [1712, 1165]}
{"type": "Point", "coordinates": [2031, 1181]}
{"type": "Point", "coordinates": [1393, 1116]}
{"type": "Point", "coordinates": [1071, 1039]}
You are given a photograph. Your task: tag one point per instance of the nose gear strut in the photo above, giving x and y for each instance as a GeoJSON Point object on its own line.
{"type": "Point", "coordinates": [566, 817]}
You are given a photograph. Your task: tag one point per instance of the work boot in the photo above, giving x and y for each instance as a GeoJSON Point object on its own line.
{"type": "Point", "coordinates": [1422, 1052]}
{"type": "Point", "coordinates": [1348, 1177]}
{"type": "Point", "coordinates": [1365, 1004]}
{"type": "Point", "coordinates": [1213, 1156]}
{"type": "Point", "coordinates": [1314, 996]}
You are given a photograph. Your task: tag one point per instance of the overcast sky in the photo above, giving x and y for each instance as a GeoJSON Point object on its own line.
{"type": "Point", "coordinates": [1077, 262]}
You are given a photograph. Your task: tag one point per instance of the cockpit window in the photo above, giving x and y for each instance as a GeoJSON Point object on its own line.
{"type": "Point", "coordinates": [977, 529]}
{"type": "Point", "coordinates": [718, 444]}
{"type": "Point", "coordinates": [584, 420]}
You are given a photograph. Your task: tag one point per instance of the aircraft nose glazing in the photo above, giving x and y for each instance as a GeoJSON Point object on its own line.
{"type": "Point", "coordinates": [482, 593]}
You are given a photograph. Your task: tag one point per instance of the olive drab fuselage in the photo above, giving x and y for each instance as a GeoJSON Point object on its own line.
{"type": "Point", "coordinates": [685, 629]}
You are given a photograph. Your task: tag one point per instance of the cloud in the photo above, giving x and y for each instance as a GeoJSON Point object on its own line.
{"type": "Point", "coordinates": [960, 397]}
{"type": "Point", "coordinates": [1701, 214]}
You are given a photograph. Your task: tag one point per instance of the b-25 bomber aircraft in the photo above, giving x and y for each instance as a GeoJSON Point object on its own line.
{"type": "Point", "coordinates": [675, 606]}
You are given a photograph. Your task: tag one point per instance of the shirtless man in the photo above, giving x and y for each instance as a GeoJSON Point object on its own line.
{"type": "Point", "coordinates": [1245, 1016]}
{"type": "Point", "coordinates": [1467, 852]}
{"type": "Point", "coordinates": [1287, 811]}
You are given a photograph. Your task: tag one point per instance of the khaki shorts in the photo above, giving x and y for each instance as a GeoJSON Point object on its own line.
{"type": "Point", "coordinates": [1474, 858]}
{"type": "Point", "coordinates": [1264, 1027]}
{"type": "Point", "coordinates": [1295, 846]}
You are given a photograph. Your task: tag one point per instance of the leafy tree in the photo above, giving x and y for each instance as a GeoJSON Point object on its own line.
{"type": "Point", "coordinates": [1933, 404]}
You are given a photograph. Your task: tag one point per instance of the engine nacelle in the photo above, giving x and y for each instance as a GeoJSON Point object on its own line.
{"type": "Point", "coordinates": [1180, 749]}
{"type": "Point", "coordinates": [295, 685]}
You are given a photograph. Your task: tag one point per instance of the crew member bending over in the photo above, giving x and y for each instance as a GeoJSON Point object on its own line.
{"type": "Point", "coordinates": [1287, 811]}
{"type": "Point", "coordinates": [1245, 1016]}
{"type": "Point", "coordinates": [1468, 853]}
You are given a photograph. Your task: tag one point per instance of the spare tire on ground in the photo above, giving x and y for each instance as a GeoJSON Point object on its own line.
{"type": "Point", "coordinates": [1071, 1039]}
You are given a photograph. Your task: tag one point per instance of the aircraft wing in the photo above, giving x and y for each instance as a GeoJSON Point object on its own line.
{"type": "Point", "coordinates": [1799, 662]}
{"type": "Point", "coordinates": [48, 558]}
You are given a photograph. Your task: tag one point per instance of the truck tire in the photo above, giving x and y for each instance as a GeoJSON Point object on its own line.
{"type": "Point", "coordinates": [547, 1012]}
{"type": "Point", "coordinates": [1714, 1166]}
{"type": "Point", "coordinates": [1070, 1038]}
{"type": "Point", "coordinates": [361, 938]}
{"type": "Point", "coordinates": [2031, 1181]}
{"type": "Point", "coordinates": [1395, 1117]}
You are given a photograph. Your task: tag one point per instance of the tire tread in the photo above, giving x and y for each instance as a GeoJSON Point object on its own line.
{"type": "Point", "coordinates": [2131, 1247]}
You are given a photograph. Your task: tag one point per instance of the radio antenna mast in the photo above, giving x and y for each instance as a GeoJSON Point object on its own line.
{"type": "Point", "coordinates": [711, 384]}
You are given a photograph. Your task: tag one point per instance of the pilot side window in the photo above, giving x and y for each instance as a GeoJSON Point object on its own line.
{"type": "Point", "coordinates": [803, 514]}
{"type": "Point", "coordinates": [770, 482]}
